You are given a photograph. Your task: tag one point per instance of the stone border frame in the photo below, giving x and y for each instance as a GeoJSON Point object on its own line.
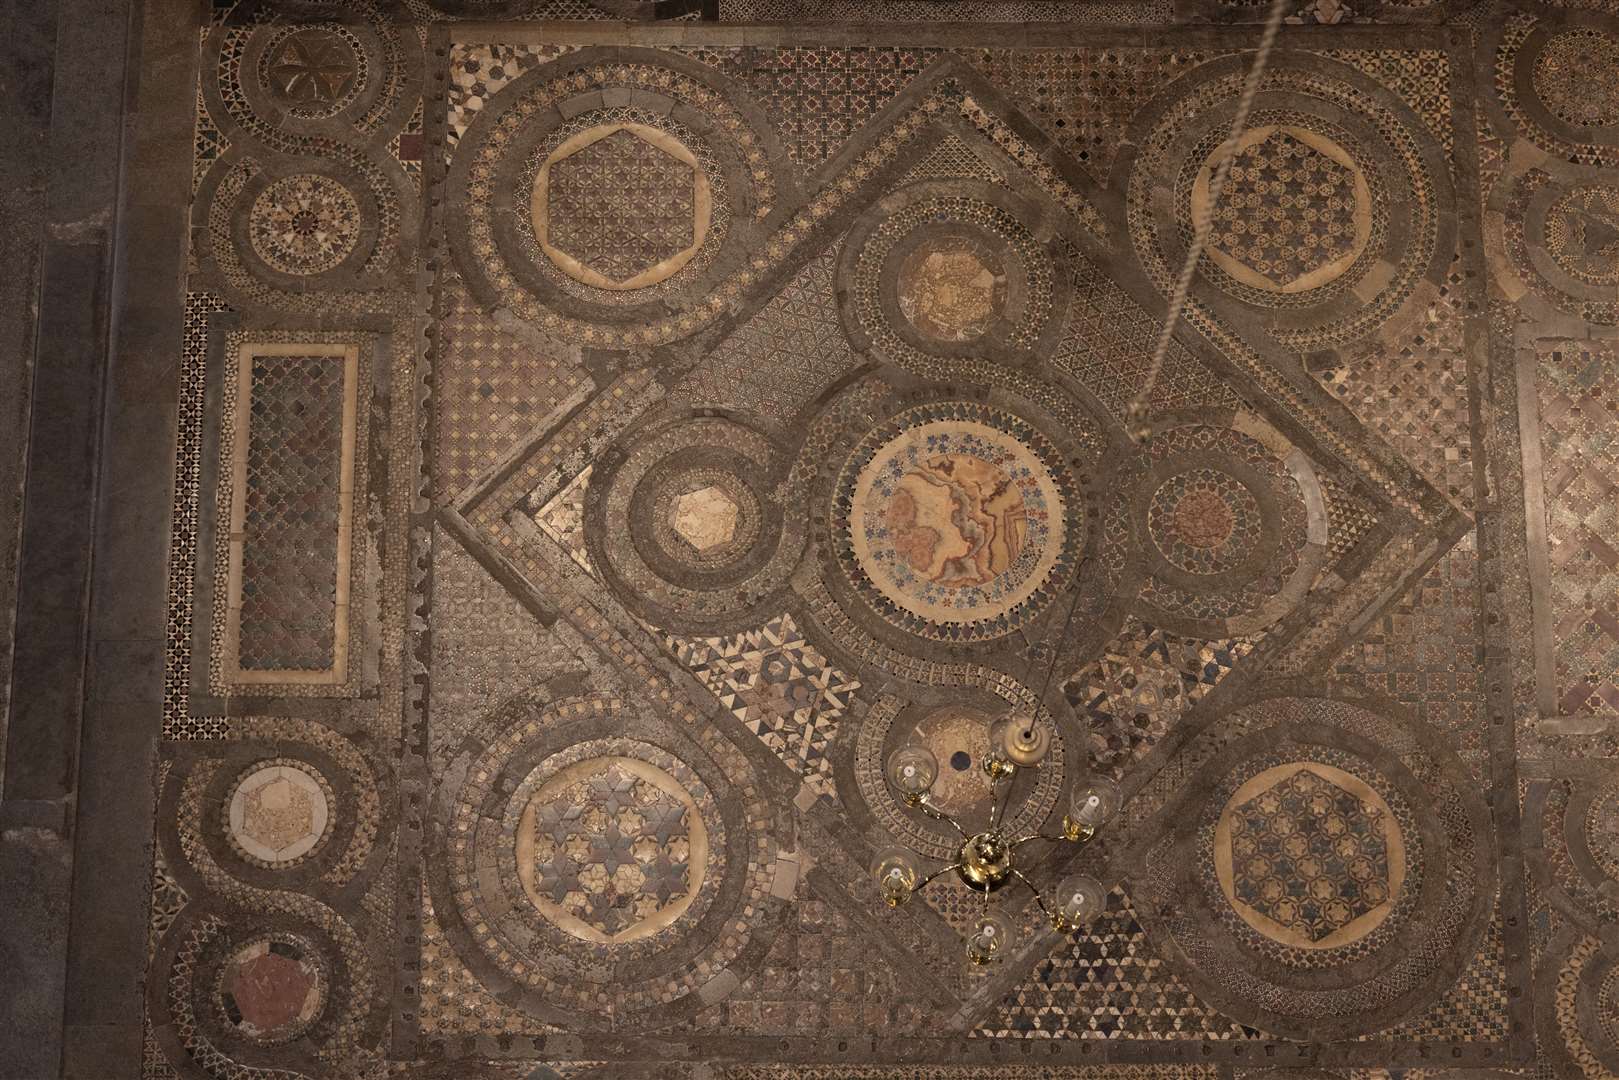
{"type": "Point", "coordinates": [373, 336]}
{"type": "Point", "coordinates": [1446, 526]}
{"type": "Point", "coordinates": [1526, 348]}
{"type": "Point", "coordinates": [246, 353]}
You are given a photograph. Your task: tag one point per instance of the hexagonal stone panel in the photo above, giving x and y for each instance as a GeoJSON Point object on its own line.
{"type": "Point", "coordinates": [1294, 214]}
{"type": "Point", "coordinates": [621, 206]}
{"type": "Point", "coordinates": [1310, 855]}
{"type": "Point", "coordinates": [611, 849]}
{"type": "Point", "coordinates": [705, 518]}
{"type": "Point", "coordinates": [278, 813]}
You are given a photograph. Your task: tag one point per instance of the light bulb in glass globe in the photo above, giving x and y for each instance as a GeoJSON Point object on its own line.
{"type": "Point", "coordinates": [989, 939]}
{"type": "Point", "coordinates": [1077, 900]}
{"type": "Point", "coordinates": [912, 770]}
{"type": "Point", "coordinates": [1094, 801]}
{"type": "Point", "coordinates": [895, 872]}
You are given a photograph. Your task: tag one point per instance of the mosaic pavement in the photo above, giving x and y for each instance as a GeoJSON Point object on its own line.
{"type": "Point", "coordinates": [604, 442]}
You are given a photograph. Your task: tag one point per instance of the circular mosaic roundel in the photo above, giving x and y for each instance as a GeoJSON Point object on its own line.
{"type": "Point", "coordinates": [1339, 872]}
{"type": "Point", "coordinates": [586, 835]}
{"type": "Point", "coordinates": [612, 849]}
{"type": "Point", "coordinates": [278, 813]}
{"type": "Point", "coordinates": [1576, 77]}
{"type": "Point", "coordinates": [621, 206]}
{"type": "Point", "coordinates": [304, 224]}
{"type": "Point", "coordinates": [1295, 212]}
{"type": "Point", "coordinates": [1233, 538]}
{"type": "Point", "coordinates": [272, 988]}
{"type": "Point", "coordinates": [1601, 831]}
{"type": "Point", "coordinates": [313, 71]}
{"type": "Point", "coordinates": [955, 519]}
{"type": "Point", "coordinates": [958, 735]}
{"type": "Point", "coordinates": [951, 289]}
{"type": "Point", "coordinates": [1309, 855]}
{"type": "Point", "coordinates": [692, 527]}
{"type": "Point", "coordinates": [1334, 210]}
{"type": "Point", "coordinates": [1582, 234]}
{"type": "Point", "coordinates": [1204, 521]}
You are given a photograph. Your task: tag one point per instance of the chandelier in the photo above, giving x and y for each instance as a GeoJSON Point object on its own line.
{"type": "Point", "coordinates": [988, 860]}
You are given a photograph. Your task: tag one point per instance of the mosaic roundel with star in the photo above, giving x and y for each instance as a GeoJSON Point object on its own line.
{"type": "Point", "coordinates": [1339, 873]}
{"type": "Point", "coordinates": [585, 834]}
{"type": "Point", "coordinates": [1335, 209]}
{"type": "Point", "coordinates": [317, 69]}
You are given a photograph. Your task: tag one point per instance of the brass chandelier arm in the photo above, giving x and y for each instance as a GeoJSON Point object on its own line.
{"type": "Point", "coordinates": [920, 885]}
{"type": "Point", "coordinates": [1039, 899]}
{"type": "Point", "coordinates": [936, 814]}
{"type": "Point", "coordinates": [1003, 797]}
{"type": "Point", "coordinates": [1020, 841]}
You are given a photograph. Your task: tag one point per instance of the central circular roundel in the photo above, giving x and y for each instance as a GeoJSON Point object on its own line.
{"type": "Point", "coordinates": [611, 849]}
{"type": "Point", "coordinates": [956, 520]}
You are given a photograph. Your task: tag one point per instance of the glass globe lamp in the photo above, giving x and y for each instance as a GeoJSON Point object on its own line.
{"type": "Point", "coordinates": [989, 940]}
{"type": "Point", "coordinates": [1094, 801]}
{"type": "Point", "coordinates": [896, 875]}
{"type": "Point", "coordinates": [912, 770]}
{"type": "Point", "coordinates": [1077, 900]}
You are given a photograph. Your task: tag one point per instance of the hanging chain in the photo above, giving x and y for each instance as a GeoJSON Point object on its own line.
{"type": "Point", "coordinates": [1203, 221]}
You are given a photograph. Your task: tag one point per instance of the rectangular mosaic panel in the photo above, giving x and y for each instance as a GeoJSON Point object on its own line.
{"type": "Point", "coordinates": [1574, 532]}
{"type": "Point", "coordinates": [292, 489]}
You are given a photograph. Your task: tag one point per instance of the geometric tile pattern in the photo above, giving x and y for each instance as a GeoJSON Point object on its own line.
{"type": "Point", "coordinates": [1131, 696]}
{"type": "Point", "coordinates": [1309, 855]}
{"type": "Point", "coordinates": [292, 509]}
{"type": "Point", "coordinates": [780, 687]}
{"type": "Point", "coordinates": [612, 849]}
{"type": "Point", "coordinates": [1107, 982]}
{"type": "Point", "coordinates": [818, 97]}
{"type": "Point", "coordinates": [1578, 384]}
{"type": "Point", "coordinates": [800, 328]}
{"type": "Point", "coordinates": [1414, 393]}
{"type": "Point", "coordinates": [620, 205]}
{"type": "Point", "coordinates": [493, 388]}
{"type": "Point", "coordinates": [1287, 209]}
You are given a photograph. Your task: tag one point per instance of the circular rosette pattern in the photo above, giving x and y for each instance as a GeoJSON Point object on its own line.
{"type": "Point", "coordinates": [694, 525]}
{"type": "Point", "coordinates": [288, 804]}
{"type": "Point", "coordinates": [1232, 522]}
{"type": "Point", "coordinates": [590, 858]}
{"type": "Point", "coordinates": [303, 232]}
{"type": "Point", "coordinates": [347, 72]}
{"type": "Point", "coordinates": [611, 197]}
{"type": "Point", "coordinates": [1555, 227]}
{"type": "Point", "coordinates": [1339, 874]}
{"type": "Point", "coordinates": [277, 981]}
{"type": "Point", "coordinates": [1337, 207]}
{"type": "Point", "coordinates": [951, 268]}
{"type": "Point", "coordinates": [1557, 82]}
